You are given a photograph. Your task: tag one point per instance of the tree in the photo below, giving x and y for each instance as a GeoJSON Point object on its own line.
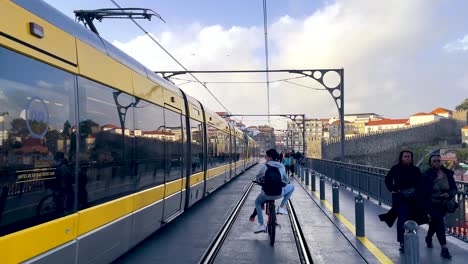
{"type": "Point", "coordinates": [462, 155]}
{"type": "Point", "coordinates": [463, 105]}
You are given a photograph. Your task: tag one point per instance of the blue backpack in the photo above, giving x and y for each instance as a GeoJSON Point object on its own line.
{"type": "Point", "coordinates": [272, 185]}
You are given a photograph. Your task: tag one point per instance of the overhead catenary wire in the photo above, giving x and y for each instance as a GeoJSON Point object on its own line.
{"type": "Point", "coordinates": [265, 26]}
{"type": "Point", "coordinates": [305, 86]}
{"type": "Point", "coordinates": [280, 80]}
{"type": "Point", "coordinates": [170, 55]}
{"type": "Point", "coordinates": [186, 81]}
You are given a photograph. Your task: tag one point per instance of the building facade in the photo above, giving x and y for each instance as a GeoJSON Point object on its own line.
{"type": "Point", "coordinates": [265, 138]}
{"type": "Point", "coordinates": [464, 134]}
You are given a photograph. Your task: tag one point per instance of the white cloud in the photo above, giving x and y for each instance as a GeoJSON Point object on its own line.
{"type": "Point", "coordinates": [379, 45]}
{"type": "Point", "coordinates": [462, 83]}
{"type": "Point", "coordinates": [458, 45]}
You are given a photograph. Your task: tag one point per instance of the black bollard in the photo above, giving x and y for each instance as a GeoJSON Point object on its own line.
{"type": "Point", "coordinates": [359, 214]}
{"type": "Point", "coordinates": [307, 177]}
{"type": "Point", "coordinates": [336, 198]}
{"type": "Point", "coordinates": [312, 175]}
{"type": "Point", "coordinates": [303, 174]}
{"type": "Point", "coordinates": [322, 187]}
{"type": "Point", "coordinates": [411, 242]}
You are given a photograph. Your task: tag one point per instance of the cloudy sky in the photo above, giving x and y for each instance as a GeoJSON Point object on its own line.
{"type": "Point", "coordinates": [400, 57]}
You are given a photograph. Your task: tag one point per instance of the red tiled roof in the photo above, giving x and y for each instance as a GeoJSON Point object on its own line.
{"type": "Point", "coordinates": [440, 110]}
{"type": "Point", "coordinates": [33, 145]}
{"type": "Point", "coordinates": [337, 122]}
{"type": "Point", "coordinates": [387, 122]}
{"type": "Point", "coordinates": [157, 133]}
{"type": "Point", "coordinates": [421, 114]}
{"type": "Point", "coordinates": [110, 126]}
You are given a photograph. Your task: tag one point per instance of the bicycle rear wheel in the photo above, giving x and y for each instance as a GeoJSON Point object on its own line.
{"type": "Point", "coordinates": [272, 224]}
{"type": "Point", "coordinates": [47, 207]}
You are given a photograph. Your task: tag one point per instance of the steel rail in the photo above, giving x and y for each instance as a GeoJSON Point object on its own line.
{"type": "Point", "coordinates": [302, 247]}
{"type": "Point", "coordinates": [210, 254]}
{"type": "Point", "coordinates": [319, 205]}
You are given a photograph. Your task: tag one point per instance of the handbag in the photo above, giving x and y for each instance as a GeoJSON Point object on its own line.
{"type": "Point", "coordinates": [408, 193]}
{"type": "Point", "coordinates": [452, 206]}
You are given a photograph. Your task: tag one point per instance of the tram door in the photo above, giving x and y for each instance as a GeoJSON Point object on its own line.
{"type": "Point", "coordinates": [227, 174]}
{"type": "Point", "coordinates": [174, 140]}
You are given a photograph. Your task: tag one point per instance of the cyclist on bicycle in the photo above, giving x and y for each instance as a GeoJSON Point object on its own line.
{"type": "Point", "coordinates": [275, 186]}
{"type": "Point", "coordinates": [64, 178]}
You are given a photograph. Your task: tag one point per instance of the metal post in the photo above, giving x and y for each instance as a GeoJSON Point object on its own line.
{"type": "Point", "coordinates": [322, 187]}
{"type": "Point", "coordinates": [380, 191]}
{"type": "Point", "coordinates": [312, 175]}
{"type": "Point", "coordinates": [341, 110]}
{"type": "Point", "coordinates": [307, 177]}
{"type": "Point", "coordinates": [336, 198]}
{"type": "Point", "coordinates": [359, 214]}
{"type": "Point", "coordinates": [411, 242]}
{"type": "Point", "coordinates": [303, 170]}
{"type": "Point", "coordinates": [303, 136]}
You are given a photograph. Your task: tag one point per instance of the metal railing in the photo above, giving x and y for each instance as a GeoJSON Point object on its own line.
{"type": "Point", "coordinates": [370, 181]}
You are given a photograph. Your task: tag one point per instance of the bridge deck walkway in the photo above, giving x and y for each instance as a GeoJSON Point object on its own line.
{"type": "Point", "coordinates": [379, 237]}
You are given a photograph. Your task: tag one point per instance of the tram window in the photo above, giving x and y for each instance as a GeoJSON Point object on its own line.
{"type": "Point", "coordinates": [228, 148]}
{"type": "Point", "coordinates": [235, 148]}
{"type": "Point", "coordinates": [149, 135]}
{"type": "Point", "coordinates": [174, 139]}
{"type": "Point", "coordinates": [106, 143]}
{"type": "Point", "coordinates": [36, 140]}
{"type": "Point", "coordinates": [197, 145]}
{"type": "Point", "coordinates": [241, 151]}
{"type": "Point", "coordinates": [213, 148]}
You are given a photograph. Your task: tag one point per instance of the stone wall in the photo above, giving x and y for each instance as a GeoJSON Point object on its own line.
{"type": "Point", "coordinates": [365, 145]}
{"type": "Point", "coordinates": [461, 117]}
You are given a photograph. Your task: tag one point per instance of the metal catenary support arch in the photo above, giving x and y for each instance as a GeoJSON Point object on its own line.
{"type": "Point", "coordinates": [336, 91]}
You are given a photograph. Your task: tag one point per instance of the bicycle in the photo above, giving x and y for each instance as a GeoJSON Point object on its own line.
{"type": "Point", "coordinates": [271, 222]}
{"type": "Point", "coordinates": [270, 210]}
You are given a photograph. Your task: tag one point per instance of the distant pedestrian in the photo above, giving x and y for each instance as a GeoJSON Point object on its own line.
{"type": "Point", "coordinates": [437, 188]}
{"type": "Point", "coordinates": [402, 181]}
{"type": "Point", "coordinates": [287, 164]}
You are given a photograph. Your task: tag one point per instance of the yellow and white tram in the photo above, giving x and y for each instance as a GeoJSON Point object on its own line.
{"type": "Point", "coordinates": [97, 152]}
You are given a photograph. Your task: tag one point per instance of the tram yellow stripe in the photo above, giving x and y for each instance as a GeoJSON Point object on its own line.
{"type": "Point", "coordinates": [184, 183]}
{"type": "Point", "coordinates": [196, 178]}
{"type": "Point", "coordinates": [148, 197]}
{"type": "Point", "coordinates": [173, 187]}
{"type": "Point", "coordinates": [99, 215]}
{"type": "Point", "coordinates": [28, 243]}
{"type": "Point", "coordinates": [216, 171]}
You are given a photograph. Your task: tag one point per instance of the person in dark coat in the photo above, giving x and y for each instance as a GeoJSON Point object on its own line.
{"type": "Point", "coordinates": [437, 188]}
{"type": "Point", "coordinates": [402, 181]}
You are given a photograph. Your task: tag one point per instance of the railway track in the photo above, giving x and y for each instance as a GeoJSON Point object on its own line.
{"type": "Point", "coordinates": [210, 254]}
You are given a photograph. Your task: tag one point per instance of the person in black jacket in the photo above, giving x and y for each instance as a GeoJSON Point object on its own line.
{"type": "Point", "coordinates": [402, 181]}
{"type": "Point", "coordinates": [437, 188]}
